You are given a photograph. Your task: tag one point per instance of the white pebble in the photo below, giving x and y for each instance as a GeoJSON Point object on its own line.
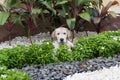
{"type": "Point", "coordinates": [113, 73]}
{"type": "Point", "coordinates": [38, 38]}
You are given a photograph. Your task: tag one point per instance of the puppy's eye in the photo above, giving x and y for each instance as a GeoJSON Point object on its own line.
{"type": "Point", "coordinates": [58, 33]}
{"type": "Point", "coordinates": [64, 33]}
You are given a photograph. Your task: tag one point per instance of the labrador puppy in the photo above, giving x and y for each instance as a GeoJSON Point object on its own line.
{"type": "Point", "coordinates": [60, 36]}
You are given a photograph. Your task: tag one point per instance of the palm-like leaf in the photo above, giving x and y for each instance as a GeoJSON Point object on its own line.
{"type": "Point", "coordinates": [49, 6]}
{"type": "Point", "coordinates": [3, 17]}
{"type": "Point", "coordinates": [104, 10]}
{"type": "Point", "coordinates": [71, 23]}
{"type": "Point", "coordinates": [85, 16]}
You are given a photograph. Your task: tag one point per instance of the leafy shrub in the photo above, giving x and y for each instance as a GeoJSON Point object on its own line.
{"type": "Point", "coordinates": [87, 47]}
{"type": "Point", "coordinates": [97, 45]}
{"type": "Point", "coordinates": [115, 35]}
{"type": "Point", "coordinates": [64, 53]}
{"type": "Point", "coordinates": [40, 54]}
{"type": "Point", "coordinates": [111, 33]}
{"type": "Point", "coordinates": [7, 74]}
{"type": "Point", "coordinates": [13, 57]}
{"type": "Point", "coordinates": [21, 55]}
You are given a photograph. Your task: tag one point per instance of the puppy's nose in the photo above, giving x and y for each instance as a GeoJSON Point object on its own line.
{"type": "Point", "coordinates": [61, 40]}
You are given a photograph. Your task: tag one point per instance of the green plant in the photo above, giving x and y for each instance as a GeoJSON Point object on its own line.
{"type": "Point", "coordinates": [40, 54]}
{"type": "Point", "coordinates": [29, 13]}
{"type": "Point", "coordinates": [14, 57]}
{"type": "Point", "coordinates": [64, 53]}
{"type": "Point", "coordinates": [104, 44]}
{"type": "Point", "coordinates": [112, 34]}
{"type": "Point", "coordinates": [73, 10]}
{"type": "Point", "coordinates": [34, 54]}
{"type": "Point", "coordinates": [80, 11]}
{"type": "Point", "coordinates": [26, 13]}
{"type": "Point", "coordinates": [12, 74]}
{"type": "Point", "coordinates": [99, 13]}
{"type": "Point", "coordinates": [7, 16]}
{"type": "Point", "coordinates": [95, 46]}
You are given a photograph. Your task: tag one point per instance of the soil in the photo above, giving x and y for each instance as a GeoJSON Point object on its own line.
{"type": "Point", "coordinates": [19, 31]}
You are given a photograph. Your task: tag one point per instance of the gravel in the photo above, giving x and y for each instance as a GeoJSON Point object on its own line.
{"type": "Point", "coordinates": [91, 69]}
{"type": "Point", "coordinates": [114, 73]}
{"type": "Point", "coordinates": [38, 38]}
{"type": "Point", "coordinates": [84, 70]}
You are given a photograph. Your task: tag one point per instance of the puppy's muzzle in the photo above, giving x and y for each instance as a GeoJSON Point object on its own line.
{"type": "Point", "coordinates": [61, 40]}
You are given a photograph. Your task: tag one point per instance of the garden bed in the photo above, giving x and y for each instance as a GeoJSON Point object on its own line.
{"type": "Point", "coordinates": [35, 55]}
{"type": "Point", "coordinates": [38, 61]}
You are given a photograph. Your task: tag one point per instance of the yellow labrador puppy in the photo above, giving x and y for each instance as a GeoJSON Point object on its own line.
{"type": "Point", "coordinates": [61, 35]}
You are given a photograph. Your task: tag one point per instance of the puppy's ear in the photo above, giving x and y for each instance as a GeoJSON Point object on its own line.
{"type": "Point", "coordinates": [53, 35]}
{"type": "Point", "coordinates": [69, 34]}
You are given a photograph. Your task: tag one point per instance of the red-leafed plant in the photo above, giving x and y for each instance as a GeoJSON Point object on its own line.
{"type": "Point", "coordinates": [70, 13]}
{"type": "Point", "coordinates": [7, 16]}
{"type": "Point", "coordinates": [27, 18]}
{"type": "Point", "coordinates": [33, 12]}
{"type": "Point", "coordinates": [73, 11]}
{"type": "Point", "coordinates": [99, 13]}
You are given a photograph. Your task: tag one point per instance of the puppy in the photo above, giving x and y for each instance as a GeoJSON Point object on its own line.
{"type": "Point", "coordinates": [60, 36]}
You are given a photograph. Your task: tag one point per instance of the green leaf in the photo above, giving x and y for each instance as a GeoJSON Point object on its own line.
{"type": "Point", "coordinates": [42, 15]}
{"type": "Point", "coordinates": [83, 2]}
{"type": "Point", "coordinates": [96, 20]}
{"type": "Point", "coordinates": [62, 13]}
{"type": "Point", "coordinates": [49, 7]}
{"type": "Point", "coordinates": [16, 19]}
{"type": "Point", "coordinates": [85, 16]}
{"type": "Point", "coordinates": [3, 17]}
{"type": "Point", "coordinates": [34, 20]}
{"type": "Point", "coordinates": [78, 2]}
{"type": "Point", "coordinates": [11, 3]}
{"type": "Point", "coordinates": [23, 24]}
{"type": "Point", "coordinates": [61, 2]}
{"type": "Point", "coordinates": [36, 11]}
{"type": "Point", "coordinates": [71, 23]}
{"type": "Point", "coordinates": [112, 13]}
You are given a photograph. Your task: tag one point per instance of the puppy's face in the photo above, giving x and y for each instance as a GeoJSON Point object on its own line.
{"type": "Point", "coordinates": [61, 34]}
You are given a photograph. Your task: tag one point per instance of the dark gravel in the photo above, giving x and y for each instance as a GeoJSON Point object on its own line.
{"type": "Point", "coordinates": [58, 71]}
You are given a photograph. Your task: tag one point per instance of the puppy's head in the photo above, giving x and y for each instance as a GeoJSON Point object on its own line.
{"type": "Point", "coordinates": [61, 34]}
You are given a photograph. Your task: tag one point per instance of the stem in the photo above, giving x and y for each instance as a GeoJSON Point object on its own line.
{"type": "Point", "coordinates": [9, 35]}
{"type": "Point", "coordinates": [29, 36]}
{"type": "Point", "coordinates": [72, 34]}
{"type": "Point", "coordinates": [97, 27]}
{"type": "Point", "coordinates": [86, 33]}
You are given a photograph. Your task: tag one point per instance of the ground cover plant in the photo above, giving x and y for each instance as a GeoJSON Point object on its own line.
{"type": "Point", "coordinates": [34, 54]}
{"type": "Point", "coordinates": [105, 44]}
{"type": "Point", "coordinates": [96, 46]}
{"type": "Point", "coordinates": [7, 74]}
